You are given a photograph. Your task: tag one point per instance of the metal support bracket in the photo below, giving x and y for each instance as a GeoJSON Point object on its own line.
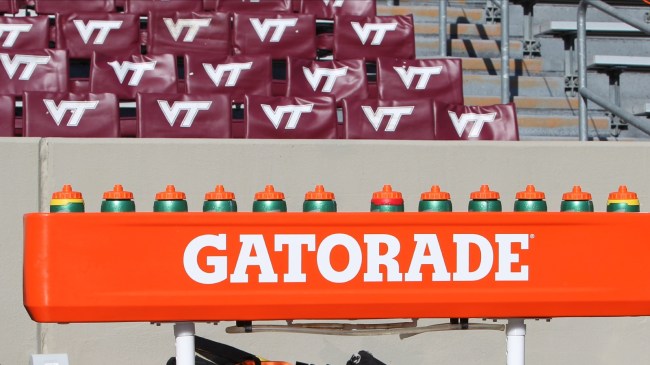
{"type": "Point", "coordinates": [571, 84]}
{"type": "Point", "coordinates": [492, 13]}
{"type": "Point", "coordinates": [532, 48]}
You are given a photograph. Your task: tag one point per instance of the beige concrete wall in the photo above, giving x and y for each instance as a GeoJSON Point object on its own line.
{"type": "Point", "coordinates": [353, 170]}
{"type": "Point", "coordinates": [18, 195]}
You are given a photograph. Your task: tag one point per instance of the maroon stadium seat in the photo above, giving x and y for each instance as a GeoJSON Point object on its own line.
{"type": "Point", "coordinates": [339, 79]}
{"type": "Point", "coordinates": [388, 119]}
{"type": "Point", "coordinates": [73, 6]}
{"type": "Point", "coordinates": [24, 33]}
{"type": "Point", "coordinates": [439, 79]}
{"type": "Point", "coordinates": [11, 6]}
{"type": "Point", "coordinates": [126, 76]}
{"type": "Point", "coordinates": [42, 70]}
{"type": "Point", "coordinates": [70, 115]}
{"type": "Point", "coordinates": [181, 33]}
{"type": "Point", "coordinates": [290, 118]}
{"type": "Point", "coordinates": [7, 112]}
{"type": "Point", "coordinates": [110, 33]}
{"type": "Point", "coordinates": [184, 116]}
{"type": "Point", "coordinates": [461, 122]}
{"type": "Point", "coordinates": [328, 9]}
{"type": "Point", "coordinates": [233, 75]}
{"type": "Point", "coordinates": [279, 35]}
{"type": "Point", "coordinates": [143, 7]}
{"type": "Point", "coordinates": [374, 36]}
{"type": "Point", "coordinates": [239, 6]}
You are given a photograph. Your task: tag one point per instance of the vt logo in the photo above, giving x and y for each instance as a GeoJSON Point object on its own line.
{"type": "Point", "coordinates": [479, 120]}
{"type": "Point", "coordinates": [76, 108]}
{"type": "Point", "coordinates": [331, 74]}
{"type": "Point", "coordinates": [395, 113]}
{"type": "Point", "coordinates": [275, 116]}
{"type": "Point", "coordinates": [13, 31]}
{"type": "Point", "coordinates": [30, 62]}
{"type": "Point", "coordinates": [193, 26]}
{"type": "Point", "coordinates": [380, 28]}
{"type": "Point", "coordinates": [191, 107]}
{"type": "Point", "coordinates": [104, 27]}
{"type": "Point", "coordinates": [408, 74]}
{"type": "Point", "coordinates": [262, 28]}
{"type": "Point", "coordinates": [234, 70]}
{"type": "Point", "coordinates": [121, 69]}
{"type": "Point", "coordinates": [337, 3]}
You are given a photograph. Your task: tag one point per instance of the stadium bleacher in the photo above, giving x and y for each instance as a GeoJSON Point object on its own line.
{"type": "Point", "coordinates": [277, 52]}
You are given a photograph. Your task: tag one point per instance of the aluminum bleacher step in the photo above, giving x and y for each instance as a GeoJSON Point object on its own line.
{"type": "Point", "coordinates": [492, 66]}
{"type": "Point", "coordinates": [529, 102]}
{"type": "Point", "coordinates": [422, 13]}
{"type": "Point", "coordinates": [607, 63]}
{"type": "Point", "coordinates": [483, 48]}
{"type": "Point", "coordinates": [600, 123]}
{"type": "Point", "coordinates": [598, 29]}
{"type": "Point", "coordinates": [643, 111]}
{"type": "Point", "coordinates": [461, 31]}
{"type": "Point", "coordinates": [489, 85]}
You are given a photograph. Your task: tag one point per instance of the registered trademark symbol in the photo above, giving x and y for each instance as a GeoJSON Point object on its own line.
{"type": "Point", "coordinates": [532, 236]}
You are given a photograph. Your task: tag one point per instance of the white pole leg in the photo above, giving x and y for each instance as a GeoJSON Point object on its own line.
{"type": "Point", "coordinates": [516, 342]}
{"type": "Point", "coordinates": [184, 334]}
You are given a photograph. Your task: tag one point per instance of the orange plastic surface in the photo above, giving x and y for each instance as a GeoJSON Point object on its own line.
{"type": "Point", "coordinates": [120, 267]}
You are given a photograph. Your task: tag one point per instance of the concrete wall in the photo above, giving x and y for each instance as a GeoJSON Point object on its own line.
{"type": "Point", "coordinates": [351, 169]}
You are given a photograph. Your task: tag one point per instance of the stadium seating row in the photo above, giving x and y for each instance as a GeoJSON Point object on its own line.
{"type": "Point", "coordinates": [126, 76]}
{"type": "Point", "coordinates": [323, 9]}
{"type": "Point", "coordinates": [278, 35]}
{"type": "Point", "coordinates": [209, 116]}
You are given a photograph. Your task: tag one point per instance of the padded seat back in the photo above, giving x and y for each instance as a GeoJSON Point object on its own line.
{"type": "Point", "coordinates": [328, 9]}
{"type": "Point", "coordinates": [241, 6]}
{"type": "Point", "coordinates": [275, 34]}
{"type": "Point", "coordinates": [439, 79]}
{"type": "Point", "coordinates": [84, 33]}
{"type": "Point", "coordinates": [24, 33]}
{"type": "Point", "coordinates": [143, 7]}
{"type": "Point", "coordinates": [234, 75]}
{"type": "Point", "coordinates": [182, 33]}
{"type": "Point", "coordinates": [339, 79]}
{"type": "Point", "coordinates": [73, 6]}
{"type": "Point", "coordinates": [462, 122]}
{"type": "Point", "coordinates": [70, 115]}
{"type": "Point", "coordinates": [374, 36]}
{"type": "Point", "coordinates": [126, 76]}
{"type": "Point", "coordinates": [184, 116]}
{"type": "Point", "coordinates": [290, 118]}
{"type": "Point", "coordinates": [41, 70]}
{"type": "Point", "coordinates": [410, 119]}
{"type": "Point", "coordinates": [7, 116]}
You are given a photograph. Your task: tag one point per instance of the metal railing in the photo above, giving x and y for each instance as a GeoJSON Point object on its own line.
{"type": "Point", "coordinates": [505, 41]}
{"type": "Point", "coordinates": [583, 91]}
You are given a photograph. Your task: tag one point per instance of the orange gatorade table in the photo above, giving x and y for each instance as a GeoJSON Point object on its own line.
{"type": "Point", "coordinates": [189, 267]}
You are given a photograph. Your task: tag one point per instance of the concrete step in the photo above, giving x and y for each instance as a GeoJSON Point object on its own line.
{"type": "Point", "coordinates": [527, 102]}
{"type": "Point", "coordinates": [428, 46]}
{"type": "Point", "coordinates": [423, 13]}
{"type": "Point", "coordinates": [600, 123]}
{"type": "Point", "coordinates": [488, 85]}
{"type": "Point", "coordinates": [492, 66]}
{"type": "Point", "coordinates": [461, 31]}
{"type": "Point", "coordinates": [478, 4]}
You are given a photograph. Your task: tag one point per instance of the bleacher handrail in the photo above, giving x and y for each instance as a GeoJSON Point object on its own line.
{"type": "Point", "coordinates": [584, 92]}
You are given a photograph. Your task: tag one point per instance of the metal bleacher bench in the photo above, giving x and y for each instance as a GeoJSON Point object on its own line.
{"type": "Point", "coordinates": [531, 45]}
{"type": "Point", "coordinates": [567, 30]}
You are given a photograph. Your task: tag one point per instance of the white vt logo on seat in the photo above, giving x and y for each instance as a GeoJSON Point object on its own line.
{"type": "Point", "coordinates": [30, 62]}
{"type": "Point", "coordinates": [121, 69]}
{"type": "Point", "coordinates": [13, 31]}
{"type": "Point", "coordinates": [275, 116]}
{"type": "Point", "coordinates": [335, 3]}
{"type": "Point", "coordinates": [104, 27]}
{"type": "Point", "coordinates": [192, 108]}
{"type": "Point", "coordinates": [314, 78]}
{"type": "Point", "coordinates": [479, 120]}
{"type": "Point", "coordinates": [407, 74]}
{"type": "Point", "coordinates": [193, 26]}
{"type": "Point", "coordinates": [234, 69]}
{"type": "Point", "coordinates": [363, 31]}
{"type": "Point", "coordinates": [395, 113]}
{"type": "Point", "coordinates": [76, 108]}
{"type": "Point", "coordinates": [262, 28]}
